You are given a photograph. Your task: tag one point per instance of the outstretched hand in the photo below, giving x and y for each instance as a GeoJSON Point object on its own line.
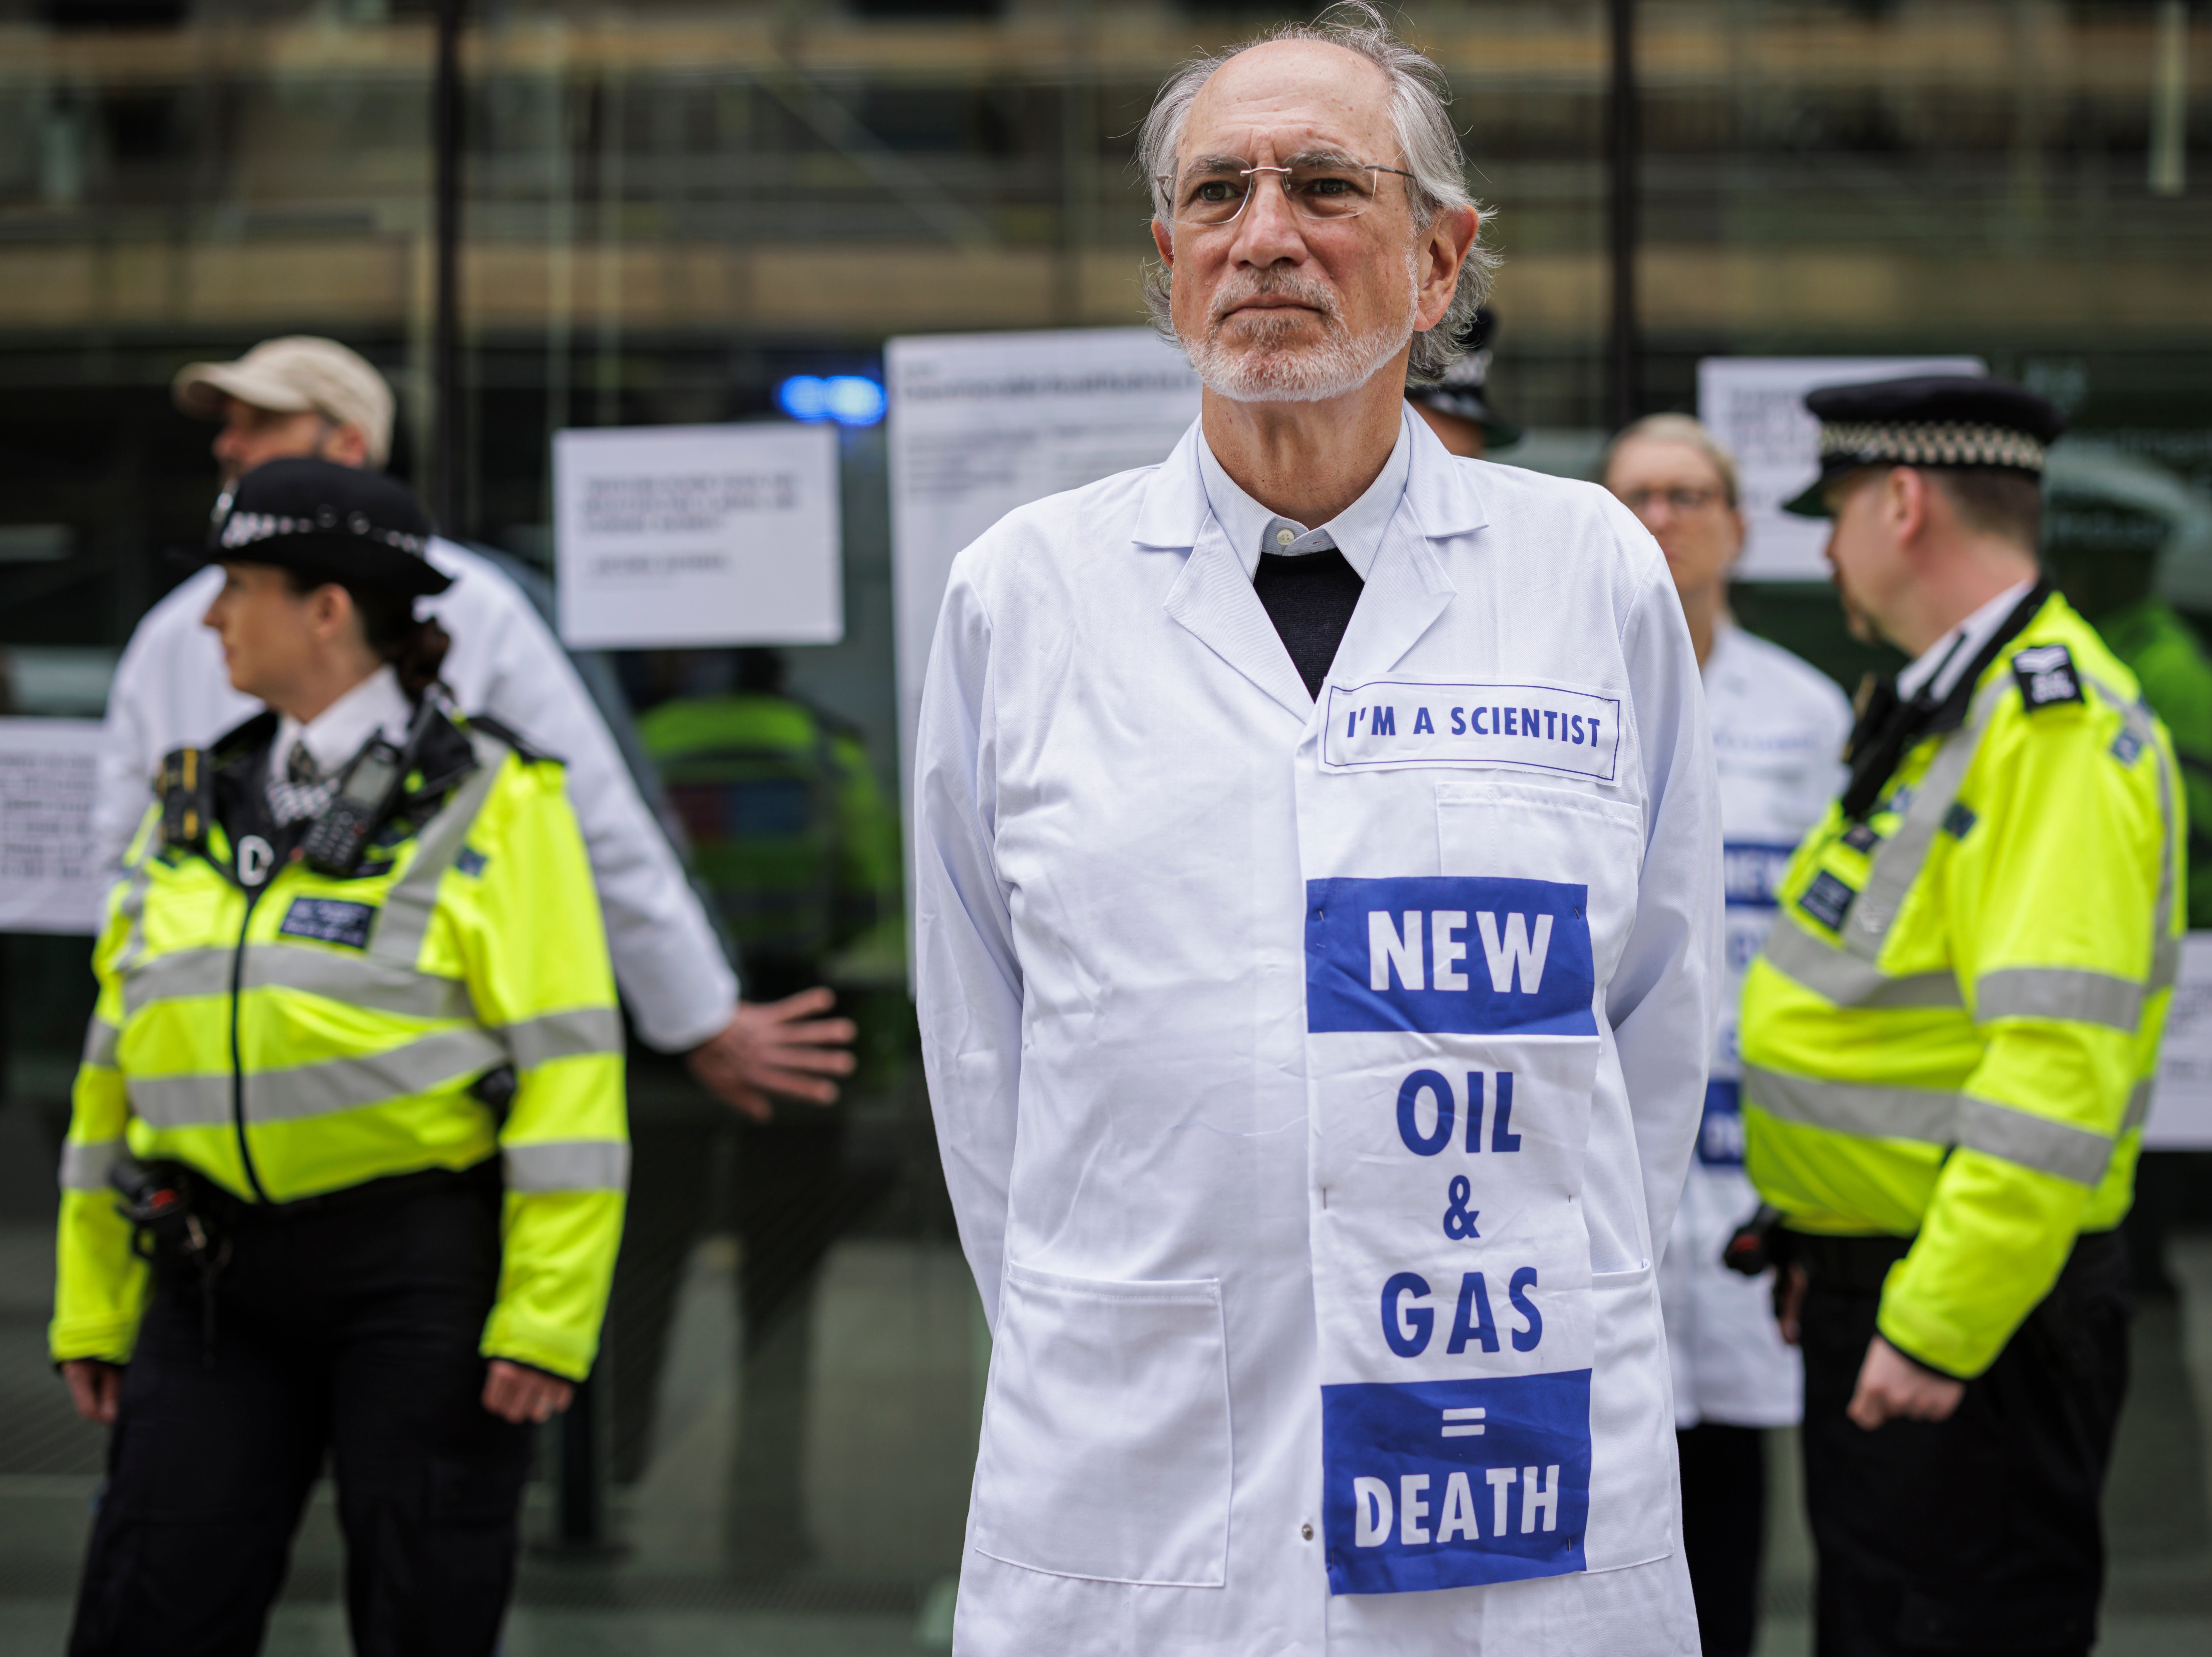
{"type": "Point", "coordinates": [783, 1047]}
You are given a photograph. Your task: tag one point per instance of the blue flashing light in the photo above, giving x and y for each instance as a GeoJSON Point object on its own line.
{"type": "Point", "coordinates": [850, 399]}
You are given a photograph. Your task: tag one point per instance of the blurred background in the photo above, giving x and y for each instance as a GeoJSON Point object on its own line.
{"type": "Point", "coordinates": [665, 212]}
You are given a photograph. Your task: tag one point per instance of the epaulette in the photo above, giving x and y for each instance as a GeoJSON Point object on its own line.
{"type": "Point", "coordinates": [2046, 677]}
{"type": "Point", "coordinates": [185, 785]}
{"type": "Point", "coordinates": [506, 733]}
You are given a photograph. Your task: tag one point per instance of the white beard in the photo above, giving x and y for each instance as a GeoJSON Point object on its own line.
{"type": "Point", "coordinates": [1263, 366]}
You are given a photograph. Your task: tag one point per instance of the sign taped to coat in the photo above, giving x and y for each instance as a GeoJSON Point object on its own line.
{"type": "Point", "coordinates": [1452, 1047]}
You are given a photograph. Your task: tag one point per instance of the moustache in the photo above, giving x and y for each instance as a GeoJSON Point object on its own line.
{"type": "Point", "coordinates": [1241, 291]}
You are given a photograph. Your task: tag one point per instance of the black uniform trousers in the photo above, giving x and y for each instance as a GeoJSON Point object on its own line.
{"type": "Point", "coordinates": [349, 1331]}
{"type": "Point", "coordinates": [1980, 1533]}
{"type": "Point", "coordinates": [1724, 1531]}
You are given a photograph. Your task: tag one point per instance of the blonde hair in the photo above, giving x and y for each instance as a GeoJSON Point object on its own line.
{"type": "Point", "coordinates": [1676, 429]}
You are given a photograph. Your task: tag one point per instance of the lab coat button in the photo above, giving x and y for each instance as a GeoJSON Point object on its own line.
{"type": "Point", "coordinates": [1306, 1531]}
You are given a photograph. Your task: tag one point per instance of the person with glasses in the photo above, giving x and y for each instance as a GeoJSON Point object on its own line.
{"type": "Point", "coordinates": [1317, 908]}
{"type": "Point", "coordinates": [1778, 726]}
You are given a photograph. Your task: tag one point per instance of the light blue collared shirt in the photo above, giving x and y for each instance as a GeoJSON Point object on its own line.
{"type": "Point", "coordinates": [1355, 531]}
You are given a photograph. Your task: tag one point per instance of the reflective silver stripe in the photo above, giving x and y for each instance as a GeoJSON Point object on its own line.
{"type": "Point", "coordinates": [1933, 1117]}
{"type": "Point", "coordinates": [101, 1039]}
{"type": "Point", "coordinates": [568, 1164]}
{"type": "Point", "coordinates": [2166, 949]}
{"type": "Point", "coordinates": [175, 975]}
{"type": "Point", "coordinates": [1849, 981]}
{"type": "Point", "coordinates": [2034, 1142]}
{"type": "Point", "coordinates": [356, 979]}
{"type": "Point", "coordinates": [85, 1165]}
{"type": "Point", "coordinates": [572, 1034]}
{"type": "Point", "coordinates": [1852, 1107]}
{"type": "Point", "coordinates": [2138, 1106]}
{"type": "Point", "coordinates": [1900, 859]}
{"type": "Point", "coordinates": [2165, 964]}
{"type": "Point", "coordinates": [324, 1089]}
{"type": "Point", "coordinates": [2059, 992]}
{"type": "Point", "coordinates": [409, 904]}
{"type": "Point", "coordinates": [133, 909]}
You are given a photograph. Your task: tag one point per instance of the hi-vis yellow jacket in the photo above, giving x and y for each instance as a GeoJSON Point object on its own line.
{"type": "Point", "coordinates": [1951, 1033]}
{"type": "Point", "coordinates": [290, 1033]}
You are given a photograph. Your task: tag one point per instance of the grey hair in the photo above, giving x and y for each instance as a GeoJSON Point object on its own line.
{"type": "Point", "coordinates": [1419, 111]}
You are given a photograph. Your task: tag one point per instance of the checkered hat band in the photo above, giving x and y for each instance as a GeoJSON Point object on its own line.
{"type": "Point", "coordinates": [1931, 443]}
{"type": "Point", "coordinates": [245, 528]}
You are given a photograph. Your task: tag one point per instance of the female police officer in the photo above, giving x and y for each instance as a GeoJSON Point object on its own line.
{"type": "Point", "coordinates": [355, 1073]}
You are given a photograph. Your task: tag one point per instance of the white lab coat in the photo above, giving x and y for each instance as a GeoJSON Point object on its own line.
{"type": "Point", "coordinates": [1779, 725]}
{"type": "Point", "coordinates": [1119, 785]}
{"type": "Point", "coordinates": [171, 691]}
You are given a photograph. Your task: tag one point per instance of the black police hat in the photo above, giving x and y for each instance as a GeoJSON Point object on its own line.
{"type": "Point", "coordinates": [1463, 391]}
{"type": "Point", "coordinates": [329, 522]}
{"type": "Point", "coordinates": [1929, 420]}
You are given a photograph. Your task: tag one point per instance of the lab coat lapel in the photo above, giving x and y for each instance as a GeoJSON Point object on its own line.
{"type": "Point", "coordinates": [1407, 590]}
{"type": "Point", "coordinates": [1407, 586]}
{"type": "Point", "coordinates": [1214, 597]}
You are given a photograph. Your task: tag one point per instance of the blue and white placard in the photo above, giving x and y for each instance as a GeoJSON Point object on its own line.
{"type": "Point", "coordinates": [1452, 1044]}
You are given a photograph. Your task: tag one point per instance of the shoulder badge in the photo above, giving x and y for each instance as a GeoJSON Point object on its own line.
{"type": "Point", "coordinates": [2046, 676]}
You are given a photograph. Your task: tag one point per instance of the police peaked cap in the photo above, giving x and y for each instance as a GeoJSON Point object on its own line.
{"type": "Point", "coordinates": [1949, 420]}
{"type": "Point", "coordinates": [1463, 393]}
{"type": "Point", "coordinates": [329, 523]}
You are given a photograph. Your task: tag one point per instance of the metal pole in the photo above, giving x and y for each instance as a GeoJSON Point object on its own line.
{"type": "Point", "coordinates": [1622, 398]}
{"type": "Point", "coordinates": [445, 491]}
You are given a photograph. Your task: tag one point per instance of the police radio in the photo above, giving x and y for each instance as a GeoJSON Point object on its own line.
{"type": "Point", "coordinates": [365, 794]}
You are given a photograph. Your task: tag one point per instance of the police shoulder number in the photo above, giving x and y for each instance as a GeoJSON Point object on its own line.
{"type": "Point", "coordinates": [2046, 677]}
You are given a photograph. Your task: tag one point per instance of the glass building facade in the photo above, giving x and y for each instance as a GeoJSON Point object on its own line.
{"type": "Point", "coordinates": [668, 210]}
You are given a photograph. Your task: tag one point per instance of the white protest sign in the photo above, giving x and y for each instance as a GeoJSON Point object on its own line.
{"type": "Point", "coordinates": [50, 878]}
{"type": "Point", "coordinates": [981, 424]}
{"type": "Point", "coordinates": [671, 536]}
{"type": "Point", "coordinates": [2181, 1104]}
{"type": "Point", "coordinates": [1756, 406]}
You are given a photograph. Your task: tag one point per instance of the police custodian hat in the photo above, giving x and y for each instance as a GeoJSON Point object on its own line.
{"type": "Point", "coordinates": [331, 523]}
{"type": "Point", "coordinates": [1929, 420]}
{"type": "Point", "coordinates": [1464, 391]}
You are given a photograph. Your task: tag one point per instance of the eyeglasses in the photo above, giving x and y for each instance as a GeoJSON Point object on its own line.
{"type": "Point", "coordinates": [1680, 502]}
{"type": "Point", "coordinates": [1320, 190]}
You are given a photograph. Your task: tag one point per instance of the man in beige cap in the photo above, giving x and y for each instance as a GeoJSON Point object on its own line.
{"type": "Point", "coordinates": [302, 396]}
{"type": "Point", "coordinates": [294, 397]}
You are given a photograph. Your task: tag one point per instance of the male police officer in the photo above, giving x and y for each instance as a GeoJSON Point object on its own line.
{"type": "Point", "coordinates": [1457, 406]}
{"type": "Point", "coordinates": [1317, 901]}
{"type": "Point", "coordinates": [303, 397]}
{"type": "Point", "coordinates": [1947, 1043]}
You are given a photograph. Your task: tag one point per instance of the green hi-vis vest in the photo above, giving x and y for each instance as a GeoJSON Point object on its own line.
{"type": "Point", "coordinates": [1951, 1033]}
{"type": "Point", "coordinates": [787, 828]}
{"type": "Point", "coordinates": [290, 1033]}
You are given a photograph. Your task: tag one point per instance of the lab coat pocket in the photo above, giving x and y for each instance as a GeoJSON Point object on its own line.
{"type": "Point", "coordinates": [1106, 1449]}
{"type": "Point", "coordinates": [1633, 1497]}
{"type": "Point", "coordinates": [1567, 837]}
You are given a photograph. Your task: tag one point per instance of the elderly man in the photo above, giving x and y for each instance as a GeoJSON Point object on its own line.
{"type": "Point", "coordinates": [1318, 901]}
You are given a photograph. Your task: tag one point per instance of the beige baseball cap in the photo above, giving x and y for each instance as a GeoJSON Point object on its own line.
{"type": "Point", "coordinates": [293, 376]}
